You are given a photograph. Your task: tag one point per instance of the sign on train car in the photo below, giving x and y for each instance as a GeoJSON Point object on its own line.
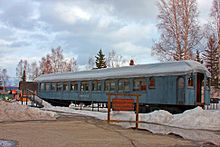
{"type": "Point", "coordinates": [120, 104]}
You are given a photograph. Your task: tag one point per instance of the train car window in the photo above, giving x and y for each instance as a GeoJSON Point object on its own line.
{"type": "Point", "coordinates": [42, 87]}
{"type": "Point", "coordinates": [74, 86]}
{"type": "Point", "coordinates": [96, 86]}
{"type": "Point", "coordinates": [47, 86]}
{"type": "Point", "coordinates": [181, 82]}
{"type": "Point", "coordinates": [123, 85]}
{"type": "Point", "coordinates": [190, 81]}
{"type": "Point", "coordinates": [152, 82]}
{"type": "Point", "coordinates": [53, 86]}
{"type": "Point", "coordinates": [110, 85]}
{"type": "Point", "coordinates": [59, 86]}
{"type": "Point", "coordinates": [84, 86]}
{"type": "Point", "coordinates": [65, 86]}
{"type": "Point", "coordinates": [140, 84]}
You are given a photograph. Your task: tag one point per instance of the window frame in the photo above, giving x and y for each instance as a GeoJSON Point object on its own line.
{"type": "Point", "coordinates": [152, 83]}
{"type": "Point", "coordinates": [96, 85]}
{"type": "Point", "coordinates": [66, 86]}
{"type": "Point", "coordinates": [110, 84]}
{"type": "Point", "coordinates": [82, 86]}
{"type": "Point", "coordinates": [59, 86]}
{"type": "Point", "coordinates": [53, 86]}
{"type": "Point", "coordinates": [190, 81]}
{"type": "Point", "coordinates": [42, 86]}
{"type": "Point", "coordinates": [47, 86]}
{"type": "Point", "coordinates": [125, 87]}
{"type": "Point", "coordinates": [140, 87]}
{"type": "Point", "coordinates": [74, 86]}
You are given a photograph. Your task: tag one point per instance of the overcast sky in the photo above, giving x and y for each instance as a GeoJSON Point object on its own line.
{"type": "Point", "coordinates": [30, 28]}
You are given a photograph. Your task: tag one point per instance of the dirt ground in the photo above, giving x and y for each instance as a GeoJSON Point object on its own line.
{"type": "Point", "coordinates": [82, 131]}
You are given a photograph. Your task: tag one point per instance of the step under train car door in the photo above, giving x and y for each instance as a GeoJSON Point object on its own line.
{"type": "Point", "coordinates": [180, 90]}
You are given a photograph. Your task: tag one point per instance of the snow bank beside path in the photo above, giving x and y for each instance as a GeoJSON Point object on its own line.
{"type": "Point", "coordinates": [197, 119]}
{"type": "Point", "coordinates": [13, 111]}
{"type": "Point", "coordinates": [159, 117]}
{"type": "Point", "coordinates": [96, 114]}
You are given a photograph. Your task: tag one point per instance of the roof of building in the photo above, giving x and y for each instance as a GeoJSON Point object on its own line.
{"type": "Point", "coordinates": [145, 70]}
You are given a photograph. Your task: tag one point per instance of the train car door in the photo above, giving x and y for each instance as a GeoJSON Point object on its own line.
{"type": "Point", "coordinates": [200, 78]}
{"type": "Point", "coordinates": [180, 90]}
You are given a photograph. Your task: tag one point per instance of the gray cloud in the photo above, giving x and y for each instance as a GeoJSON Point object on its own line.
{"type": "Point", "coordinates": [30, 28]}
{"type": "Point", "coordinates": [19, 14]}
{"type": "Point", "coordinates": [19, 44]}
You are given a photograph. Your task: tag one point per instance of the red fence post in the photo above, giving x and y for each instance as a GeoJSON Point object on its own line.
{"type": "Point", "coordinates": [109, 107]}
{"type": "Point", "coordinates": [137, 111]}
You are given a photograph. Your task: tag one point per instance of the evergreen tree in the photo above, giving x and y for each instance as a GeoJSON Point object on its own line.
{"type": "Point", "coordinates": [100, 60]}
{"type": "Point", "coordinates": [211, 58]}
{"type": "Point", "coordinates": [24, 76]}
{"type": "Point", "coordinates": [198, 59]}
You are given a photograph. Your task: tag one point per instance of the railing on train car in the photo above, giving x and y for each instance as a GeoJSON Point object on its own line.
{"type": "Point", "coordinates": [214, 104]}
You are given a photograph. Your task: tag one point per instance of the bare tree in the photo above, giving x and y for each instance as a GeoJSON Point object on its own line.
{"type": "Point", "coordinates": [71, 65]}
{"type": "Point", "coordinates": [180, 31]}
{"type": "Point", "coordinates": [57, 60]}
{"type": "Point", "coordinates": [91, 63]}
{"type": "Point", "coordinates": [215, 26]}
{"type": "Point", "coordinates": [34, 71]}
{"type": "Point", "coordinates": [21, 67]}
{"type": "Point", "coordinates": [115, 60]}
{"type": "Point", "coordinates": [46, 65]}
{"type": "Point", "coordinates": [4, 77]}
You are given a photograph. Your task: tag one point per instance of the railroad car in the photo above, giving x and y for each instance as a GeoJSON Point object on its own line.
{"type": "Point", "coordinates": [177, 85]}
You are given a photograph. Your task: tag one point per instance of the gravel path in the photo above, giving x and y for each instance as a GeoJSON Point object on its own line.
{"type": "Point", "coordinates": [77, 130]}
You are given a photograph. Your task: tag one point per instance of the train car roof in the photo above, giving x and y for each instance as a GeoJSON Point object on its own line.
{"type": "Point", "coordinates": [144, 70]}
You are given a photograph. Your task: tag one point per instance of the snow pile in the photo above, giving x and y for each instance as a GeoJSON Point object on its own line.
{"type": "Point", "coordinates": [197, 119]}
{"type": "Point", "coordinates": [13, 111]}
{"type": "Point", "coordinates": [46, 104]}
{"type": "Point", "coordinates": [7, 143]}
{"type": "Point", "coordinates": [98, 115]}
{"type": "Point", "coordinates": [158, 116]}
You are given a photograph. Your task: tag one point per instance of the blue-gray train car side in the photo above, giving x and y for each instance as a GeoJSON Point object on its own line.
{"type": "Point", "coordinates": [179, 83]}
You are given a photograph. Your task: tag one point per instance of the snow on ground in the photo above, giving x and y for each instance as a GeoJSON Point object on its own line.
{"type": "Point", "coordinates": [196, 118]}
{"type": "Point", "coordinates": [13, 111]}
{"type": "Point", "coordinates": [7, 143]}
{"type": "Point", "coordinates": [196, 124]}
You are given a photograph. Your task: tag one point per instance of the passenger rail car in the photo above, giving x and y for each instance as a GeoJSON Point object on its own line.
{"type": "Point", "coordinates": [179, 84]}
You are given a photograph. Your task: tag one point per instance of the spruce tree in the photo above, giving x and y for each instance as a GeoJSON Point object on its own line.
{"type": "Point", "coordinates": [100, 60]}
{"type": "Point", "coordinates": [198, 59]}
{"type": "Point", "coordinates": [211, 58]}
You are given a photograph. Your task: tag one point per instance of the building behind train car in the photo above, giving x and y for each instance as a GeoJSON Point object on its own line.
{"type": "Point", "coordinates": [179, 84]}
{"type": "Point", "coordinates": [25, 86]}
